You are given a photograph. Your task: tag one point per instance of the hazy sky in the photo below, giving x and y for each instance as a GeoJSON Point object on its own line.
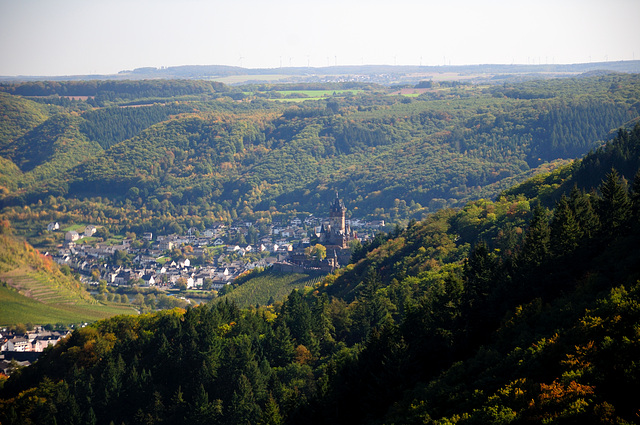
{"type": "Point", "coordinates": [62, 37]}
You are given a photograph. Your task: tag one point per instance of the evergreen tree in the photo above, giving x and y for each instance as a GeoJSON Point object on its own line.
{"type": "Point", "coordinates": [584, 213]}
{"type": "Point", "coordinates": [565, 230]}
{"type": "Point", "coordinates": [271, 413]}
{"type": "Point", "coordinates": [280, 346]}
{"type": "Point", "coordinates": [297, 316]}
{"type": "Point", "coordinates": [479, 270]}
{"type": "Point", "coordinates": [202, 411]}
{"type": "Point", "coordinates": [243, 408]}
{"type": "Point", "coordinates": [91, 418]}
{"type": "Point", "coordinates": [372, 307]}
{"type": "Point", "coordinates": [322, 326]}
{"type": "Point", "coordinates": [614, 205]}
{"type": "Point", "coordinates": [157, 410]}
{"type": "Point", "coordinates": [535, 248]}
{"type": "Point", "coordinates": [481, 277]}
{"type": "Point", "coordinates": [177, 407]}
{"type": "Point", "coordinates": [635, 198]}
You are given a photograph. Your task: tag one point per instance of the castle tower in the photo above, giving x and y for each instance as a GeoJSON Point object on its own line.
{"type": "Point", "coordinates": [336, 234]}
{"type": "Point", "coordinates": [337, 216]}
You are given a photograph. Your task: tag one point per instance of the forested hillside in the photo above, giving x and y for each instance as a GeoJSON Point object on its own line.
{"type": "Point", "coordinates": [191, 153]}
{"type": "Point", "coordinates": [502, 311]}
{"type": "Point", "coordinates": [18, 117]}
{"type": "Point", "coordinates": [105, 92]}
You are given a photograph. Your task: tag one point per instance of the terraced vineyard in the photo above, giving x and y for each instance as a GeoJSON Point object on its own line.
{"type": "Point", "coordinates": [35, 285]}
{"type": "Point", "coordinates": [34, 290]}
{"type": "Point", "coordinates": [269, 285]}
{"type": "Point", "coordinates": [17, 308]}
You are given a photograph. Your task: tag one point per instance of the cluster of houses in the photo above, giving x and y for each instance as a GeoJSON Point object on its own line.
{"type": "Point", "coordinates": [150, 267]}
{"type": "Point", "coordinates": [19, 350]}
{"type": "Point", "coordinates": [35, 341]}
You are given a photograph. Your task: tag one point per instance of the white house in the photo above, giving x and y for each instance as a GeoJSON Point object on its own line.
{"type": "Point", "coordinates": [43, 341]}
{"type": "Point", "coordinates": [19, 344]}
{"type": "Point", "coordinates": [149, 279]}
{"type": "Point", "coordinates": [71, 236]}
{"type": "Point", "coordinates": [223, 273]}
{"type": "Point", "coordinates": [89, 230]}
{"type": "Point", "coordinates": [53, 226]}
{"type": "Point", "coordinates": [287, 233]}
{"type": "Point", "coordinates": [166, 245]}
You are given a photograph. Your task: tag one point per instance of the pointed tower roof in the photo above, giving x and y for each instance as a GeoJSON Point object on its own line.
{"type": "Point", "coordinates": [338, 205]}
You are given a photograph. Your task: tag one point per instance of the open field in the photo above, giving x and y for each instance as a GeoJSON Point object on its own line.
{"type": "Point", "coordinates": [312, 94]}
{"type": "Point", "coordinates": [17, 308]}
{"type": "Point", "coordinates": [319, 93]}
{"type": "Point", "coordinates": [241, 79]}
{"type": "Point", "coordinates": [302, 95]}
{"type": "Point", "coordinates": [77, 227]}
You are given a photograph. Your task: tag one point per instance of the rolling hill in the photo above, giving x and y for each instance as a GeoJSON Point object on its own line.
{"type": "Point", "coordinates": [502, 311]}
{"type": "Point", "coordinates": [205, 152]}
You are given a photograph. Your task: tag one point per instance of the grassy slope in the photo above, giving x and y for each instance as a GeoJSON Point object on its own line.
{"type": "Point", "coordinates": [267, 284]}
{"type": "Point", "coordinates": [17, 308]}
{"type": "Point", "coordinates": [35, 290]}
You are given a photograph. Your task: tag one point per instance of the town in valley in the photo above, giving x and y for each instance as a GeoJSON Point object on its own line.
{"type": "Point", "coordinates": [211, 259]}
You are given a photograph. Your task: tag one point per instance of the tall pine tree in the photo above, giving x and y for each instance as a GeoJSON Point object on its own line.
{"type": "Point", "coordinates": [535, 248]}
{"type": "Point", "coordinates": [614, 205]}
{"type": "Point", "coordinates": [584, 212]}
{"type": "Point", "coordinates": [635, 198]}
{"type": "Point", "coordinates": [565, 230]}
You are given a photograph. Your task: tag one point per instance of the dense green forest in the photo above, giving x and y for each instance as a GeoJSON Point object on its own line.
{"type": "Point", "coordinates": [103, 92]}
{"type": "Point", "coordinates": [522, 309]}
{"type": "Point", "coordinates": [165, 156]}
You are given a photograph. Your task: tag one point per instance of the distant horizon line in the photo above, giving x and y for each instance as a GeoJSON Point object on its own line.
{"type": "Point", "coordinates": [329, 67]}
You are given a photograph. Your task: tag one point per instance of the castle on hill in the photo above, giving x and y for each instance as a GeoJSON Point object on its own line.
{"type": "Point", "coordinates": [336, 235]}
